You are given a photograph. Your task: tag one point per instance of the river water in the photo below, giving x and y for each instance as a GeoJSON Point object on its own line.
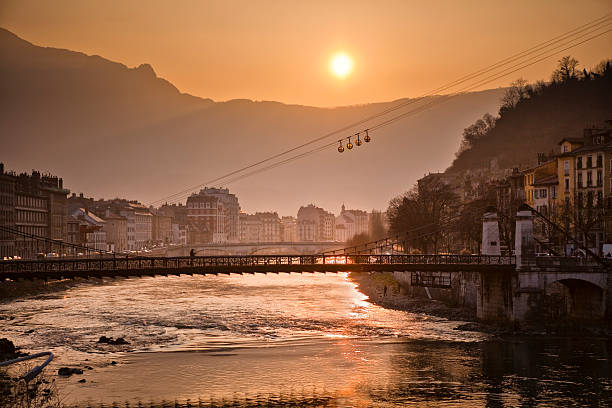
{"type": "Point", "coordinates": [290, 339]}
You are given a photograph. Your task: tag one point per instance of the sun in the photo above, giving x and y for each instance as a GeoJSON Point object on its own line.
{"type": "Point", "coordinates": [341, 65]}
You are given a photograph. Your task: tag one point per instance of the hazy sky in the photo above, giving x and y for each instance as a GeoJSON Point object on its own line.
{"type": "Point", "coordinates": [280, 50]}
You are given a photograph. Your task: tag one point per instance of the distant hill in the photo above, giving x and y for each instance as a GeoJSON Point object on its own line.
{"type": "Point", "coordinates": [110, 130]}
{"type": "Point", "coordinates": [538, 122]}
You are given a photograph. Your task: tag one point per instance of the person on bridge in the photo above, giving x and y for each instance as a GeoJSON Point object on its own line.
{"type": "Point", "coordinates": [192, 256]}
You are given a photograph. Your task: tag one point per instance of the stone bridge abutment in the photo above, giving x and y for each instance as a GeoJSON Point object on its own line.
{"type": "Point", "coordinates": [541, 288]}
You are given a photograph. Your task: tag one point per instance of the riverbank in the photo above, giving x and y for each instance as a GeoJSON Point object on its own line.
{"type": "Point", "coordinates": [373, 286]}
{"type": "Point", "coordinates": [11, 290]}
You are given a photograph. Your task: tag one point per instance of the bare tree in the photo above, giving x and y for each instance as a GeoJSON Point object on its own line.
{"type": "Point", "coordinates": [376, 225]}
{"type": "Point", "coordinates": [468, 224]}
{"type": "Point", "coordinates": [476, 131]}
{"type": "Point", "coordinates": [566, 69]}
{"type": "Point", "coordinates": [423, 212]}
{"type": "Point", "coordinates": [603, 68]}
{"type": "Point", "coordinates": [517, 91]}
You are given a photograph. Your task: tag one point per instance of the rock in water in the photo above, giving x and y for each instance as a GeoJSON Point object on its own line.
{"type": "Point", "coordinates": [110, 340]}
{"type": "Point", "coordinates": [7, 349]}
{"type": "Point", "coordinates": [67, 371]}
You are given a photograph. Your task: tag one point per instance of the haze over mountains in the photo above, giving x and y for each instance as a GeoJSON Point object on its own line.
{"type": "Point", "coordinates": [110, 130]}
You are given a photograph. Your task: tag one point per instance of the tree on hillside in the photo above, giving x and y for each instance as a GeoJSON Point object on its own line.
{"type": "Point", "coordinates": [603, 68]}
{"type": "Point", "coordinates": [517, 91]}
{"type": "Point", "coordinates": [422, 213]}
{"type": "Point", "coordinates": [468, 224]}
{"type": "Point", "coordinates": [476, 131]}
{"type": "Point", "coordinates": [566, 69]}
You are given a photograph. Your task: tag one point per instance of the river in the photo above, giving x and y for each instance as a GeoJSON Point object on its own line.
{"type": "Point", "coordinates": [302, 339]}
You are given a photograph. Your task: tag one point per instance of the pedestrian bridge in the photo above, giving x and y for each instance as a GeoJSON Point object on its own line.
{"type": "Point", "coordinates": [248, 264]}
{"type": "Point", "coordinates": [255, 248]}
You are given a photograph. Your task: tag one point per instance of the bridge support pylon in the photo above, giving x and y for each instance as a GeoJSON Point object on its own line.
{"type": "Point", "coordinates": [504, 296]}
{"type": "Point", "coordinates": [490, 233]}
{"type": "Point", "coordinates": [524, 242]}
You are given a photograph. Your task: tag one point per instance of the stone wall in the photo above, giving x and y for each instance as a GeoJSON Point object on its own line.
{"type": "Point", "coordinates": [463, 291]}
{"type": "Point", "coordinates": [495, 300]}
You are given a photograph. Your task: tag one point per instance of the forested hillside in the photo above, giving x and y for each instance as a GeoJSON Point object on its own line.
{"type": "Point", "coordinates": [535, 117]}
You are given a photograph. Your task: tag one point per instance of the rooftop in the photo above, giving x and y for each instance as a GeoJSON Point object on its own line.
{"type": "Point", "coordinates": [547, 181]}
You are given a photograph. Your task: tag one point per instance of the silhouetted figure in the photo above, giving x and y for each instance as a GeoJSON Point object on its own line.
{"type": "Point", "coordinates": [192, 256]}
{"type": "Point", "coordinates": [385, 291]}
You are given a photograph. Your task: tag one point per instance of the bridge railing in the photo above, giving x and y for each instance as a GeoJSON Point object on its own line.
{"type": "Point", "coordinates": [566, 262]}
{"type": "Point", "coordinates": [149, 263]}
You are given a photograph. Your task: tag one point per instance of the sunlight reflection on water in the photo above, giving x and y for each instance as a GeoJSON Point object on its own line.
{"type": "Point", "coordinates": [200, 336]}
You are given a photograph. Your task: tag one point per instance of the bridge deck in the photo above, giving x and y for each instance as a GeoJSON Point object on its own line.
{"type": "Point", "coordinates": [205, 265]}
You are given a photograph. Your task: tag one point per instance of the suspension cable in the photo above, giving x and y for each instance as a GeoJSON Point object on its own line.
{"type": "Point", "coordinates": [569, 36]}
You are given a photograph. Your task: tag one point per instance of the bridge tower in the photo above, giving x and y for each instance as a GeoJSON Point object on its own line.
{"type": "Point", "coordinates": [524, 242]}
{"type": "Point", "coordinates": [504, 296]}
{"type": "Point", "coordinates": [490, 233]}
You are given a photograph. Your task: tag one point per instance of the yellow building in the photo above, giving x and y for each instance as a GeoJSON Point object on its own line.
{"type": "Point", "coordinates": [566, 170]}
{"type": "Point", "coordinates": [544, 170]}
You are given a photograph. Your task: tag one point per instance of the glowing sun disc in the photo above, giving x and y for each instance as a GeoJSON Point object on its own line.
{"type": "Point", "coordinates": [341, 65]}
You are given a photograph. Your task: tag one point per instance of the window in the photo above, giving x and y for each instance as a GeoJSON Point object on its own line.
{"type": "Point", "coordinates": [537, 194]}
{"type": "Point", "coordinates": [580, 180]}
{"type": "Point", "coordinates": [589, 178]}
{"type": "Point", "coordinates": [599, 160]}
{"type": "Point", "coordinates": [599, 198]}
{"type": "Point", "coordinates": [599, 178]}
{"type": "Point", "coordinates": [579, 200]}
{"type": "Point", "coordinates": [589, 202]}
{"type": "Point", "coordinates": [543, 193]}
{"type": "Point", "coordinates": [565, 148]}
{"type": "Point", "coordinates": [579, 163]}
{"type": "Point", "coordinates": [566, 168]}
{"type": "Point", "coordinates": [553, 192]}
{"type": "Point", "coordinates": [589, 162]}
{"type": "Point", "coordinates": [567, 184]}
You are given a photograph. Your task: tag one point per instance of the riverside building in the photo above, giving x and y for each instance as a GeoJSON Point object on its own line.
{"type": "Point", "coordinates": [33, 204]}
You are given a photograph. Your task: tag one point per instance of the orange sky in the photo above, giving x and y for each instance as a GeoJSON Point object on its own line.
{"type": "Point", "coordinates": [280, 50]}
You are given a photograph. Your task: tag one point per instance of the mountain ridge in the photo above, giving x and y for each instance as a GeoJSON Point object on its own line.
{"type": "Point", "coordinates": [110, 130]}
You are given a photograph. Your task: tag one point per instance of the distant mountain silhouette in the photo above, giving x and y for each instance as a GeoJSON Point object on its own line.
{"type": "Point", "coordinates": [110, 130]}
